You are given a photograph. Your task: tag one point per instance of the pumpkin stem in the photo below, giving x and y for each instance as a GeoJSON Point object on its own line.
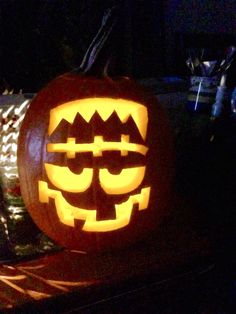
{"type": "Point", "coordinates": [97, 57]}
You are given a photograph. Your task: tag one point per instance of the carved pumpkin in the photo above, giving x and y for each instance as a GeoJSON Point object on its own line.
{"type": "Point", "coordinates": [95, 162]}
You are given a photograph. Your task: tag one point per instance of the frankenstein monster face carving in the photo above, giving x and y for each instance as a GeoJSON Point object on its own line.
{"type": "Point", "coordinates": [128, 183]}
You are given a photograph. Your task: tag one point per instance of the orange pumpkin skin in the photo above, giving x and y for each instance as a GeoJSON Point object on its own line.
{"type": "Point", "coordinates": [33, 154]}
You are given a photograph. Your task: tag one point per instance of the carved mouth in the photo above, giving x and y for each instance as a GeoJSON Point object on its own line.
{"type": "Point", "coordinates": [68, 213]}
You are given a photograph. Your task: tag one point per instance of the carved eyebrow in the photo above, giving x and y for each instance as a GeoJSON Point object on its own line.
{"type": "Point", "coordinates": [104, 107]}
{"type": "Point", "coordinates": [97, 147]}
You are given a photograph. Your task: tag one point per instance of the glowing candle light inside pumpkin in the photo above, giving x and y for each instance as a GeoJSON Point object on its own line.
{"type": "Point", "coordinates": [103, 128]}
{"type": "Point", "coordinates": [126, 181]}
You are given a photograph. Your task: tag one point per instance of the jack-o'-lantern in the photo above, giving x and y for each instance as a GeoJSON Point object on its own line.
{"type": "Point", "coordinates": [95, 161]}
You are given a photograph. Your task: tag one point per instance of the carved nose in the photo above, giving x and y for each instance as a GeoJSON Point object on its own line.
{"type": "Point", "coordinates": [105, 204]}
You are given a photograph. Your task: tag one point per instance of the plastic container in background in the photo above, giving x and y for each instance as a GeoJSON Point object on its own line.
{"type": "Point", "coordinates": [233, 101]}
{"type": "Point", "coordinates": [201, 94]}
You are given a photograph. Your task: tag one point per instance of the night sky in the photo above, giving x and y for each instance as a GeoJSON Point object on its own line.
{"type": "Point", "coordinates": [41, 39]}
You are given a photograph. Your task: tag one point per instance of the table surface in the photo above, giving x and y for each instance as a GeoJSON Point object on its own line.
{"type": "Point", "coordinates": [56, 283]}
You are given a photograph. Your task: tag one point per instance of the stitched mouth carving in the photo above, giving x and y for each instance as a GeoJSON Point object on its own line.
{"type": "Point", "coordinates": [68, 213]}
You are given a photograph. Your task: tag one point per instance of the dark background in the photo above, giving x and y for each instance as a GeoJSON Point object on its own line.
{"type": "Point", "coordinates": [40, 39]}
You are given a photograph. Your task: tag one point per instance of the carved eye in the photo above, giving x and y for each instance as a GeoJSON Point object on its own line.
{"type": "Point", "coordinates": [63, 178]}
{"type": "Point", "coordinates": [127, 180]}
